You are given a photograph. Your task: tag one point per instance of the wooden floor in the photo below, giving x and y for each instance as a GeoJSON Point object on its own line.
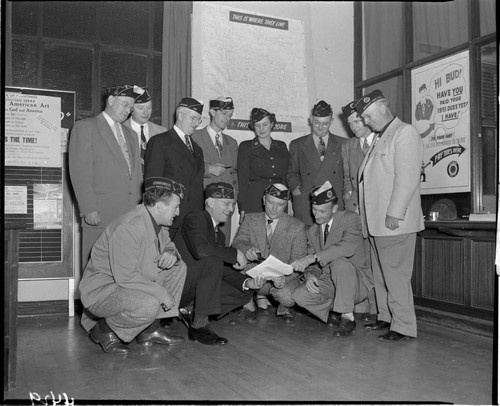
{"type": "Point", "coordinates": [267, 361]}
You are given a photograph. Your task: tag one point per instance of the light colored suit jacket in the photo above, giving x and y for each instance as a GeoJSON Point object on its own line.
{"type": "Point", "coordinates": [210, 155]}
{"type": "Point", "coordinates": [152, 130]}
{"type": "Point", "coordinates": [306, 170]}
{"type": "Point", "coordinates": [288, 241]}
{"type": "Point", "coordinates": [352, 156]}
{"type": "Point", "coordinates": [99, 172]}
{"type": "Point", "coordinates": [344, 241]}
{"type": "Point", "coordinates": [389, 181]}
{"type": "Point", "coordinates": [124, 256]}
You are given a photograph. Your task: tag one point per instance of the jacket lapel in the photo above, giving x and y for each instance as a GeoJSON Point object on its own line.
{"type": "Point", "coordinates": [109, 138]}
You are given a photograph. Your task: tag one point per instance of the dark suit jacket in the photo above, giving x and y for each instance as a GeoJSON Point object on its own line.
{"type": "Point", "coordinates": [306, 170]}
{"type": "Point", "coordinates": [99, 172]}
{"type": "Point", "coordinates": [166, 155]}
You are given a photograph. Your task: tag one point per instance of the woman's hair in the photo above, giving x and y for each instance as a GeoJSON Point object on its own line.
{"type": "Point", "coordinates": [259, 114]}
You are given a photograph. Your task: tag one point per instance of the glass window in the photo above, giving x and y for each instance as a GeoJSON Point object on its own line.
{"type": "Point", "coordinates": [438, 26]}
{"type": "Point", "coordinates": [392, 89]}
{"type": "Point", "coordinates": [487, 12]}
{"type": "Point", "coordinates": [382, 31]}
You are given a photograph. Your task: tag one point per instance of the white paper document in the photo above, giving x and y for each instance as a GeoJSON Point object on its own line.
{"type": "Point", "coordinates": [271, 267]}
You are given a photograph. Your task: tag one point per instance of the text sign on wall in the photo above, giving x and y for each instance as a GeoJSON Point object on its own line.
{"type": "Point", "coordinates": [253, 19]}
{"type": "Point", "coordinates": [441, 114]}
{"type": "Point", "coordinates": [237, 124]}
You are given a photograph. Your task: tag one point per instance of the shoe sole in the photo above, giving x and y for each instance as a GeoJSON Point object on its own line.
{"type": "Point", "coordinates": [201, 342]}
{"type": "Point", "coordinates": [149, 343]}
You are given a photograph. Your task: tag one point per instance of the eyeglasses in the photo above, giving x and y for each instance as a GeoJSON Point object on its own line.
{"type": "Point", "coordinates": [194, 119]}
{"type": "Point", "coordinates": [320, 124]}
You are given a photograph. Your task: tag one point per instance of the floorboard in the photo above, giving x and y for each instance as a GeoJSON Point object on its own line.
{"type": "Point", "coordinates": [265, 361]}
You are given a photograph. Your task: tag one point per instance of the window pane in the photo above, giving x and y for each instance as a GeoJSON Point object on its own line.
{"type": "Point", "coordinates": [438, 27]}
{"type": "Point", "coordinates": [382, 37]}
{"type": "Point", "coordinates": [392, 89]}
{"type": "Point", "coordinates": [487, 10]}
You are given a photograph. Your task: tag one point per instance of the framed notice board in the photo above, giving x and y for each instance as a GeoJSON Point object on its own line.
{"type": "Point", "coordinates": [36, 189]}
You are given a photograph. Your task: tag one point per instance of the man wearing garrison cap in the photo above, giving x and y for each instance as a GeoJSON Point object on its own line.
{"type": "Point", "coordinates": [391, 215]}
{"type": "Point", "coordinates": [314, 159]}
{"type": "Point", "coordinates": [173, 154]}
{"type": "Point", "coordinates": [200, 240]}
{"type": "Point", "coordinates": [220, 151]}
{"type": "Point", "coordinates": [274, 232]}
{"type": "Point", "coordinates": [105, 166]}
{"type": "Point", "coordinates": [336, 275]}
{"type": "Point", "coordinates": [139, 122]}
{"type": "Point", "coordinates": [135, 275]}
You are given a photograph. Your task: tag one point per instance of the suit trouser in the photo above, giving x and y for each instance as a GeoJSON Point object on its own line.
{"type": "Point", "coordinates": [392, 262]}
{"type": "Point", "coordinates": [283, 295]}
{"type": "Point", "coordinates": [341, 288]}
{"type": "Point", "coordinates": [370, 304]}
{"type": "Point", "coordinates": [232, 293]}
{"type": "Point", "coordinates": [130, 311]}
{"type": "Point", "coordinates": [89, 237]}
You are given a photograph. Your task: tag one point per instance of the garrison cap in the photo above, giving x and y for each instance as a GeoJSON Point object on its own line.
{"type": "Point", "coordinates": [165, 183]}
{"type": "Point", "coordinates": [219, 190]}
{"type": "Point", "coordinates": [363, 103]}
{"type": "Point", "coordinates": [144, 98]}
{"type": "Point", "coordinates": [125, 90]}
{"type": "Point", "coordinates": [423, 87]}
{"type": "Point", "coordinates": [222, 103]}
{"type": "Point", "coordinates": [258, 114]}
{"type": "Point", "coordinates": [324, 194]}
{"type": "Point", "coordinates": [349, 109]}
{"type": "Point", "coordinates": [278, 190]}
{"type": "Point", "coordinates": [192, 104]}
{"type": "Point", "coordinates": [322, 109]}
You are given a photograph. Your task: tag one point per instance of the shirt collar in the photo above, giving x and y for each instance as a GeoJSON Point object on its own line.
{"type": "Point", "coordinates": [137, 127]}
{"type": "Point", "coordinates": [212, 134]}
{"type": "Point", "coordinates": [179, 132]}
{"type": "Point", "coordinates": [369, 139]}
{"type": "Point", "coordinates": [110, 121]}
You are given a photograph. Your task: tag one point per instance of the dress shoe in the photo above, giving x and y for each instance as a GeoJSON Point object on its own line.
{"type": "Point", "coordinates": [364, 316]}
{"type": "Point", "coordinates": [289, 315]}
{"type": "Point", "coordinates": [243, 316]}
{"type": "Point", "coordinates": [393, 336]}
{"type": "Point", "coordinates": [206, 336]}
{"type": "Point", "coordinates": [159, 336]}
{"type": "Point", "coordinates": [109, 342]}
{"type": "Point", "coordinates": [186, 315]}
{"type": "Point", "coordinates": [345, 328]}
{"type": "Point", "coordinates": [378, 325]}
{"type": "Point", "coordinates": [333, 319]}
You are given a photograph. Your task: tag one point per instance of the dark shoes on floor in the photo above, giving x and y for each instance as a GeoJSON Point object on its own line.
{"type": "Point", "coordinates": [109, 342]}
{"type": "Point", "coordinates": [378, 325]}
{"type": "Point", "coordinates": [243, 316]}
{"type": "Point", "coordinates": [345, 328]}
{"type": "Point", "coordinates": [364, 316]}
{"type": "Point", "coordinates": [206, 336]}
{"type": "Point", "coordinates": [289, 315]}
{"type": "Point", "coordinates": [333, 319]}
{"type": "Point", "coordinates": [186, 316]}
{"type": "Point", "coordinates": [159, 336]}
{"type": "Point", "coordinates": [393, 336]}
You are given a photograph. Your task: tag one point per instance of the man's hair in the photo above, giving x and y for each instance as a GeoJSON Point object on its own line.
{"type": "Point", "coordinates": [156, 194]}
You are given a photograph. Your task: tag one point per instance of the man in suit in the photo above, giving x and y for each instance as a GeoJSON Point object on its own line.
{"type": "Point", "coordinates": [201, 239]}
{"type": "Point", "coordinates": [173, 154]}
{"type": "Point", "coordinates": [353, 151]}
{"type": "Point", "coordinates": [274, 232]}
{"type": "Point", "coordinates": [391, 213]}
{"type": "Point", "coordinates": [105, 166]}
{"type": "Point", "coordinates": [220, 151]}
{"type": "Point", "coordinates": [139, 122]}
{"type": "Point", "coordinates": [135, 276]}
{"type": "Point", "coordinates": [314, 159]}
{"type": "Point", "coordinates": [336, 275]}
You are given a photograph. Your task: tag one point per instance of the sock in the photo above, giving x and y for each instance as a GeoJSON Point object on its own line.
{"type": "Point", "coordinates": [199, 321]}
{"type": "Point", "coordinates": [250, 306]}
{"type": "Point", "coordinates": [349, 316]}
{"type": "Point", "coordinates": [152, 327]}
{"type": "Point", "coordinates": [103, 326]}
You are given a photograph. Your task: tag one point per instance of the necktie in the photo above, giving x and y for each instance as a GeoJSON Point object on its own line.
{"type": "Point", "coordinates": [123, 145]}
{"type": "Point", "coordinates": [269, 230]}
{"type": "Point", "coordinates": [143, 146]}
{"type": "Point", "coordinates": [216, 229]}
{"type": "Point", "coordinates": [189, 145]}
{"type": "Point", "coordinates": [218, 144]}
{"type": "Point", "coordinates": [325, 233]}
{"type": "Point", "coordinates": [366, 146]}
{"type": "Point", "coordinates": [322, 148]}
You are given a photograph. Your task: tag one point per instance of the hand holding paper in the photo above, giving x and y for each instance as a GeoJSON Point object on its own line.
{"type": "Point", "coordinates": [271, 267]}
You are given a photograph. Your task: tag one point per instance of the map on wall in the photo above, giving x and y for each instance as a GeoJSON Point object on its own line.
{"type": "Point", "coordinates": [257, 60]}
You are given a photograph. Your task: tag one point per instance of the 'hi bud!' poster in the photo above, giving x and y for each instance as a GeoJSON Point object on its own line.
{"type": "Point", "coordinates": [441, 114]}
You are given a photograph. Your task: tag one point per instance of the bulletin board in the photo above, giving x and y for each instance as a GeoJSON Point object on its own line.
{"type": "Point", "coordinates": [36, 190]}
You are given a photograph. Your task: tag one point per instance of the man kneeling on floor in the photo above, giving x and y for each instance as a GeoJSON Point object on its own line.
{"type": "Point", "coordinates": [335, 271]}
{"type": "Point", "coordinates": [274, 232]}
{"type": "Point", "coordinates": [134, 276]}
{"type": "Point", "coordinates": [201, 240]}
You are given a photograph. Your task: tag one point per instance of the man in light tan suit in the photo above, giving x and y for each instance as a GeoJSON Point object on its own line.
{"type": "Point", "coordinates": [139, 122]}
{"type": "Point", "coordinates": [105, 166]}
{"type": "Point", "coordinates": [220, 151]}
{"type": "Point", "coordinates": [391, 213]}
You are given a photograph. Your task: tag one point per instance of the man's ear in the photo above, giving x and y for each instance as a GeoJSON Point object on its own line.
{"type": "Point", "coordinates": [210, 202]}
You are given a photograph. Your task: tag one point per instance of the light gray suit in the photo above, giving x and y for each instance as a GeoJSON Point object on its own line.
{"type": "Point", "coordinates": [288, 243]}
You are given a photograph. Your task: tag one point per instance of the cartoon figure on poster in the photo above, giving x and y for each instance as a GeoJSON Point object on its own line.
{"type": "Point", "coordinates": [441, 116]}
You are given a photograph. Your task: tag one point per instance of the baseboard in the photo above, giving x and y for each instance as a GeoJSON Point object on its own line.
{"type": "Point", "coordinates": [46, 308]}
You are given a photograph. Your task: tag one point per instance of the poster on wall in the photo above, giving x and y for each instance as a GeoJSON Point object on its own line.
{"type": "Point", "coordinates": [47, 206]}
{"type": "Point", "coordinates": [258, 60]}
{"type": "Point", "coordinates": [15, 199]}
{"type": "Point", "coordinates": [32, 130]}
{"type": "Point", "coordinates": [441, 114]}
